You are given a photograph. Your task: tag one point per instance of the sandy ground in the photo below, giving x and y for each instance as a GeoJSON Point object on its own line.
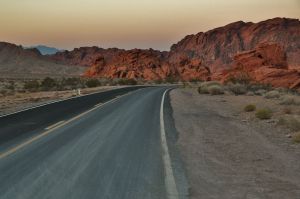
{"type": "Point", "coordinates": [19, 101]}
{"type": "Point", "coordinates": [229, 154]}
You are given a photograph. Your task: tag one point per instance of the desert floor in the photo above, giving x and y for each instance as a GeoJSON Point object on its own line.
{"type": "Point", "coordinates": [229, 153]}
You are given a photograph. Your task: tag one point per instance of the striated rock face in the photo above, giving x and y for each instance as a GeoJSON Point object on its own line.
{"type": "Point", "coordinates": [217, 48]}
{"type": "Point", "coordinates": [267, 63]}
{"type": "Point", "coordinates": [205, 56]}
{"type": "Point", "coordinates": [84, 56]}
{"type": "Point", "coordinates": [144, 64]}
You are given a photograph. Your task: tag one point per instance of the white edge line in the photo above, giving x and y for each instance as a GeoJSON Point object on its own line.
{"type": "Point", "coordinates": [172, 192]}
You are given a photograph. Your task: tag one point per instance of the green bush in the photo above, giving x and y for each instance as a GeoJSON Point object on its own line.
{"type": "Point", "coordinates": [263, 114]}
{"type": "Point", "coordinates": [32, 85]}
{"type": "Point", "coordinates": [237, 89]}
{"type": "Point", "coordinates": [272, 94]}
{"type": "Point", "coordinates": [215, 90]}
{"type": "Point", "coordinates": [127, 82]}
{"type": "Point", "coordinates": [250, 108]}
{"type": "Point", "coordinates": [48, 83]}
{"type": "Point", "coordinates": [91, 83]}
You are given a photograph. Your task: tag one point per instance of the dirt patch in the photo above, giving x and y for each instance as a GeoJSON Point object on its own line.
{"type": "Point", "coordinates": [229, 153]}
{"type": "Point", "coordinates": [19, 101]}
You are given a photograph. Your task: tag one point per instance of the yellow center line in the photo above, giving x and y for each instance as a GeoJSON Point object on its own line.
{"type": "Point", "coordinates": [53, 127]}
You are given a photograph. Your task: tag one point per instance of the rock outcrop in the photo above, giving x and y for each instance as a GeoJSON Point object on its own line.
{"type": "Point", "coordinates": [137, 64]}
{"type": "Point", "coordinates": [267, 63]}
{"type": "Point", "coordinates": [203, 56]}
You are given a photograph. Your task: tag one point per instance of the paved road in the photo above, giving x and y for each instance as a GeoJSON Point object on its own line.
{"type": "Point", "coordinates": [111, 152]}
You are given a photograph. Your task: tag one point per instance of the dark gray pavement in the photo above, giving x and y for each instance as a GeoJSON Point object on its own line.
{"type": "Point", "coordinates": [113, 152]}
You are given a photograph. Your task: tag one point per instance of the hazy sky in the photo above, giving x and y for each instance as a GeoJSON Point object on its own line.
{"type": "Point", "coordinates": [127, 23]}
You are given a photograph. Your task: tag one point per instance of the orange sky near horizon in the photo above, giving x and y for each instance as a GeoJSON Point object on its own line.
{"type": "Point", "coordinates": [127, 24]}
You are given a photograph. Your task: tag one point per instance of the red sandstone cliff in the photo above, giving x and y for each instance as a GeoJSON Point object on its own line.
{"type": "Point", "coordinates": [202, 56]}
{"type": "Point", "coordinates": [267, 63]}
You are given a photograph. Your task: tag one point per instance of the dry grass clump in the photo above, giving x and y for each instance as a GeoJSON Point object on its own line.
{"type": "Point", "coordinates": [215, 90]}
{"type": "Point", "coordinates": [250, 108]}
{"type": "Point", "coordinates": [204, 87]}
{"type": "Point", "coordinates": [264, 114]}
{"type": "Point", "coordinates": [296, 137]}
{"type": "Point", "coordinates": [290, 100]}
{"type": "Point", "coordinates": [237, 89]}
{"type": "Point", "coordinates": [272, 94]}
{"type": "Point", "coordinates": [290, 121]}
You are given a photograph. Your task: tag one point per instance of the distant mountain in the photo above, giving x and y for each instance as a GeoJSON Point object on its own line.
{"type": "Point", "coordinates": [45, 50]}
{"type": "Point", "coordinates": [17, 62]}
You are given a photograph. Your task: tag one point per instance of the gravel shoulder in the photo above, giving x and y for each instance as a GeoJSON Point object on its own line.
{"type": "Point", "coordinates": [230, 154]}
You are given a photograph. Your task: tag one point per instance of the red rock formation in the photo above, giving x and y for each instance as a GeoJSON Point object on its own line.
{"type": "Point", "coordinates": [202, 56]}
{"type": "Point", "coordinates": [144, 64]}
{"type": "Point", "coordinates": [216, 48]}
{"type": "Point", "coordinates": [267, 63]}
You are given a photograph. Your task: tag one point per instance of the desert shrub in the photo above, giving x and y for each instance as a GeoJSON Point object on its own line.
{"type": "Point", "coordinates": [215, 90]}
{"type": "Point", "coordinates": [158, 81]}
{"type": "Point", "coordinates": [287, 110]}
{"type": "Point", "coordinates": [263, 114]}
{"type": "Point", "coordinates": [260, 92]}
{"type": "Point", "coordinates": [272, 94]}
{"type": "Point", "coordinates": [237, 89]}
{"type": "Point", "coordinates": [203, 88]}
{"type": "Point", "coordinates": [127, 82]}
{"type": "Point", "coordinates": [90, 83]}
{"type": "Point", "coordinates": [250, 108]}
{"type": "Point", "coordinates": [289, 100]}
{"type": "Point", "coordinates": [48, 83]}
{"type": "Point", "coordinates": [171, 79]}
{"type": "Point", "coordinates": [296, 137]}
{"type": "Point", "coordinates": [241, 78]}
{"type": "Point", "coordinates": [250, 93]}
{"type": "Point", "coordinates": [3, 92]}
{"type": "Point", "coordinates": [70, 83]}
{"type": "Point", "coordinates": [11, 85]}
{"type": "Point", "coordinates": [259, 86]}
{"type": "Point", "coordinates": [32, 85]}
{"type": "Point", "coordinates": [194, 80]}
{"type": "Point", "coordinates": [290, 121]}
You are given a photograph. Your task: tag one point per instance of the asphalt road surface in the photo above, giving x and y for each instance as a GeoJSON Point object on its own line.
{"type": "Point", "coordinates": [82, 149]}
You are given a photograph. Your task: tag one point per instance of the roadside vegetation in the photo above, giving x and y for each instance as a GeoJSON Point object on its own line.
{"type": "Point", "coordinates": [281, 105]}
{"type": "Point", "coordinates": [250, 108]}
{"type": "Point", "coordinates": [264, 114]}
